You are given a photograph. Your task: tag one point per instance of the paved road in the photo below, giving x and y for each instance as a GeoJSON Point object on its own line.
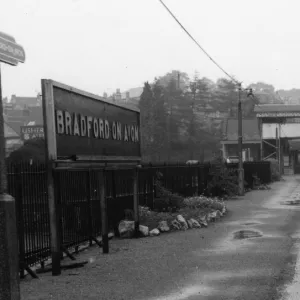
{"type": "Point", "coordinates": [197, 264]}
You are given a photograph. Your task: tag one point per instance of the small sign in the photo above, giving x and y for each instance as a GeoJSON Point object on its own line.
{"type": "Point", "coordinates": [32, 132]}
{"type": "Point", "coordinates": [10, 52]}
{"type": "Point", "coordinates": [87, 127]}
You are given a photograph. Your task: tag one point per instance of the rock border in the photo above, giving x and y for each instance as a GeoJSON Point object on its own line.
{"type": "Point", "coordinates": [126, 228]}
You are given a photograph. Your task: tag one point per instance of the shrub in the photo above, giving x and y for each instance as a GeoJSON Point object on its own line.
{"type": "Point", "coordinates": [167, 200]}
{"type": "Point", "coordinates": [203, 202]}
{"type": "Point", "coordinates": [224, 181]}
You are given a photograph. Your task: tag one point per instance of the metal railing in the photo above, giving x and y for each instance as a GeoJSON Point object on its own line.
{"type": "Point", "coordinates": [78, 199]}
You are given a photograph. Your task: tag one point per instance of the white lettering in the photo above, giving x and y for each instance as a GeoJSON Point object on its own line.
{"type": "Point", "coordinates": [101, 129]}
{"type": "Point", "coordinates": [114, 131]}
{"type": "Point", "coordinates": [60, 128]}
{"type": "Point", "coordinates": [96, 128]}
{"type": "Point", "coordinates": [89, 125]}
{"type": "Point", "coordinates": [83, 125]}
{"type": "Point", "coordinates": [136, 133]}
{"type": "Point", "coordinates": [132, 133]}
{"type": "Point", "coordinates": [76, 126]}
{"type": "Point", "coordinates": [106, 129]}
{"type": "Point", "coordinates": [68, 122]}
{"type": "Point", "coordinates": [119, 131]}
{"type": "Point", "coordinates": [125, 134]}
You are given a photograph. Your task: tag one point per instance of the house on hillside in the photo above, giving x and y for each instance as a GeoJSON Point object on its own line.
{"type": "Point", "coordinates": [251, 139]}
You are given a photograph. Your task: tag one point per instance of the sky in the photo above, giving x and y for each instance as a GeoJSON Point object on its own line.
{"type": "Point", "coordinates": [102, 45]}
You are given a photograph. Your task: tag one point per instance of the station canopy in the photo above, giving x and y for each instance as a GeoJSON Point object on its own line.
{"type": "Point", "coordinates": [277, 110]}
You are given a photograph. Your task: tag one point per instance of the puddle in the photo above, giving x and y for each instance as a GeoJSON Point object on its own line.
{"type": "Point", "coordinates": [246, 234]}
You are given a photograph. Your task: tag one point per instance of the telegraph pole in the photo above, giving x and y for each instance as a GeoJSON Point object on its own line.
{"type": "Point", "coordinates": [240, 144]}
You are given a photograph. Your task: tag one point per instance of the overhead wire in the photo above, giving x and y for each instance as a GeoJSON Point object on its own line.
{"type": "Point", "coordinates": [196, 42]}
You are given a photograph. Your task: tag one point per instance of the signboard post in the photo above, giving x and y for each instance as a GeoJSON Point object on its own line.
{"type": "Point", "coordinates": [10, 53]}
{"type": "Point", "coordinates": [84, 128]}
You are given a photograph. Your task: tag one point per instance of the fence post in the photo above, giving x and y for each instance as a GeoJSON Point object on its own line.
{"type": "Point", "coordinates": [53, 216]}
{"type": "Point", "coordinates": [104, 221]}
{"type": "Point", "coordinates": [90, 223]}
{"type": "Point", "coordinates": [20, 219]}
{"type": "Point", "coordinates": [136, 202]}
{"type": "Point", "coordinates": [198, 180]}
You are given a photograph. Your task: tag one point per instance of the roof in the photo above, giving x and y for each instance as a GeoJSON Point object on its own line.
{"type": "Point", "coordinates": [250, 130]}
{"type": "Point", "coordinates": [277, 108]}
{"type": "Point", "coordinates": [9, 132]}
{"type": "Point", "coordinates": [28, 101]}
{"type": "Point", "coordinates": [133, 93]}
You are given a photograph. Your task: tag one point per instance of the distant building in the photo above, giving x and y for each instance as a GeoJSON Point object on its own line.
{"type": "Point", "coordinates": [19, 111]}
{"type": "Point", "coordinates": [251, 138]}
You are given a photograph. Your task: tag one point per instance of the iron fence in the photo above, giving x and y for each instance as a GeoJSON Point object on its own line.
{"type": "Point", "coordinates": [78, 192]}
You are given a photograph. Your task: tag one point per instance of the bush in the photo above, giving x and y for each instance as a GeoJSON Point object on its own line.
{"type": "Point", "coordinates": [224, 181]}
{"type": "Point", "coordinates": [203, 202]}
{"type": "Point", "coordinates": [167, 200]}
{"type": "Point", "coordinates": [275, 174]}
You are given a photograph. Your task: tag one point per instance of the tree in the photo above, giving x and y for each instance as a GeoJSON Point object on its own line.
{"type": "Point", "coordinates": [181, 79]}
{"type": "Point", "coordinates": [227, 95]}
{"type": "Point", "coordinates": [32, 150]}
{"type": "Point", "coordinates": [153, 120]}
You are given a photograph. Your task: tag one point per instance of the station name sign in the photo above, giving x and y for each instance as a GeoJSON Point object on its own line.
{"type": "Point", "coordinates": [95, 128]}
{"type": "Point", "coordinates": [82, 125]}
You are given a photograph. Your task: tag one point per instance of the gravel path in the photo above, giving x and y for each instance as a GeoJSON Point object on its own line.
{"type": "Point", "coordinates": [196, 264]}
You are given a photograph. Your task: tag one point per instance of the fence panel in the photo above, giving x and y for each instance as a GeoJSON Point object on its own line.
{"type": "Point", "coordinates": [27, 184]}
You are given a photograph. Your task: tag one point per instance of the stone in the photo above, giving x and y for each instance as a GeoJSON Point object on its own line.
{"type": "Point", "coordinates": [224, 210]}
{"type": "Point", "coordinates": [195, 223]}
{"type": "Point", "coordinates": [213, 216]}
{"type": "Point", "coordinates": [203, 221]}
{"type": "Point", "coordinates": [182, 221]}
{"type": "Point", "coordinates": [144, 230]}
{"type": "Point", "coordinates": [154, 232]}
{"type": "Point", "coordinates": [218, 214]}
{"type": "Point", "coordinates": [126, 229]}
{"type": "Point", "coordinates": [176, 225]}
{"type": "Point", "coordinates": [190, 224]}
{"type": "Point", "coordinates": [163, 226]}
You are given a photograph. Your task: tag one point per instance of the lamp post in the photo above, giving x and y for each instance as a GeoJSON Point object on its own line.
{"type": "Point", "coordinates": [10, 53]}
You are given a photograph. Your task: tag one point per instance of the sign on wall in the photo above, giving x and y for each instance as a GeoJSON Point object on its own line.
{"type": "Point", "coordinates": [32, 132]}
{"type": "Point", "coordinates": [83, 125]}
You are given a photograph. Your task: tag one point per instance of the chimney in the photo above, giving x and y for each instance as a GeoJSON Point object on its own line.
{"type": "Point", "coordinates": [127, 96]}
{"type": "Point", "coordinates": [118, 95]}
{"type": "Point", "coordinates": [105, 95]}
{"type": "Point", "coordinates": [13, 99]}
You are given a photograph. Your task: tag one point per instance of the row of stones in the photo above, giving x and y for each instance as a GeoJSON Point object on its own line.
{"type": "Point", "coordinates": [126, 228]}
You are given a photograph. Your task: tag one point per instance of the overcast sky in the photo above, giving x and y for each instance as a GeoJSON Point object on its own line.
{"type": "Point", "coordinates": [101, 45]}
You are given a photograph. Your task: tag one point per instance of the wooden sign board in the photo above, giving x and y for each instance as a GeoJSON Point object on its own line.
{"type": "Point", "coordinates": [85, 127]}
